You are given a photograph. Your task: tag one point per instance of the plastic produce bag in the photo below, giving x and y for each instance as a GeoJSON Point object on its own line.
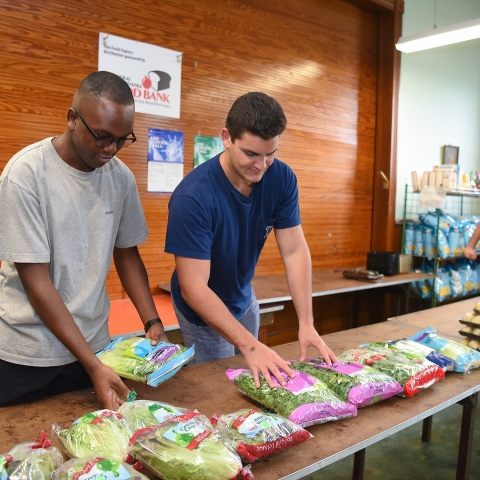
{"type": "Point", "coordinates": [305, 400]}
{"type": "Point", "coordinates": [96, 468]}
{"type": "Point", "coordinates": [357, 384]}
{"type": "Point", "coordinates": [144, 413]}
{"type": "Point", "coordinates": [258, 435]}
{"type": "Point", "coordinates": [137, 359]}
{"type": "Point", "coordinates": [31, 460]}
{"type": "Point", "coordinates": [465, 358]}
{"type": "Point", "coordinates": [413, 374]}
{"type": "Point", "coordinates": [102, 433]}
{"type": "Point", "coordinates": [411, 348]}
{"type": "Point", "coordinates": [186, 448]}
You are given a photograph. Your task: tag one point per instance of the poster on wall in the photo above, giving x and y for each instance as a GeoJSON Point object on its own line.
{"type": "Point", "coordinates": [154, 73]}
{"type": "Point", "coordinates": [165, 160]}
{"type": "Point", "coordinates": [204, 148]}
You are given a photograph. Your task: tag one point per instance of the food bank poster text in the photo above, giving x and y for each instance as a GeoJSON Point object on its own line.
{"type": "Point", "coordinates": [153, 73]}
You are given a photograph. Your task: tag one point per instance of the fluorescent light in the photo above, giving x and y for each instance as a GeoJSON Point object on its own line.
{"type": "Point", "coordinates": [460, 32]}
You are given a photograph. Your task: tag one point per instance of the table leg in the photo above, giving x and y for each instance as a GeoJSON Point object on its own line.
{"type": "Point", "coordinates": [358, 464]}
{"type": "Point", "coordinates": [427, 429]}
{"type": "Point", "coordinates": [466, 436]}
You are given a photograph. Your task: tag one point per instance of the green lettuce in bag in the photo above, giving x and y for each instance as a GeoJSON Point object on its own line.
{"type": "Point", "coordinates": [101, 433]}
{"type": "Point", "coordinates": [186, 448]}
{"type": "Point", "coordinates": [137, 359]}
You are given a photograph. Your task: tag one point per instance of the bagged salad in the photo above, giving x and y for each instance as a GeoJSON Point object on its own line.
{"type": "Point", "coordinates": [305, 400]}
{"type": "Point", "coordinates": [186, 448]}
{"type": "Point", "coordinates": [413, 374]}
{"type": "Point", "coordinates": [357, 384]}
{"type": "Point", "coordinates": [31, 460]}
{"type": "Point", "coordinates": [137, 359]}
{"type": "Point", "coordinates": [102, 433]}
{"type": "Point", "coordinates": [465, 358]}
{"type": "Point", "coordinates": [96, 468]}
{"type": "Point", "coordinates": [144, 413]}
{"type": "Point", "coordinates": [256, 435]}
{"type": "Point", "coordinates": [415, 349]}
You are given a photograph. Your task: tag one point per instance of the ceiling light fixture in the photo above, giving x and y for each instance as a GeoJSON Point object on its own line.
{"type": "Point", "coordinates": [439, 37]}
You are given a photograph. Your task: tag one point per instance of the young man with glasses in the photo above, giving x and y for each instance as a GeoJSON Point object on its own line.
{"type": "Point", "coordinates": [67, 205]}
{"type": "Point", "coordinates": [220, 216]}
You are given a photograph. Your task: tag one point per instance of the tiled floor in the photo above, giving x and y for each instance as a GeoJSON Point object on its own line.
{"type": "Point", "coordinates": [404, 456]}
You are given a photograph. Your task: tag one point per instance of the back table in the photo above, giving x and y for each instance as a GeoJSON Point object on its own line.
{"type": "Point", "coordinates": [207, 388]}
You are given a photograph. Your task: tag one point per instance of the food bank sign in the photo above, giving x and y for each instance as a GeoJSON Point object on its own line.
{"type": "Point", "coordinates": [153, 73]}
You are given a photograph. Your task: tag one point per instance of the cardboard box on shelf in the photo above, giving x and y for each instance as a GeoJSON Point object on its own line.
{"type": "Point", "coordinates": [415, 182]}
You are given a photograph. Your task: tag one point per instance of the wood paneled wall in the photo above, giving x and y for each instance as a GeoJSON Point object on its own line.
{"type": "Point", "coordinates": [318, 58]}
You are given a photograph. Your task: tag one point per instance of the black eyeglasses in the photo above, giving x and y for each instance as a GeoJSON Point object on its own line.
{"type": "Point", "coordinates": [105, 141]}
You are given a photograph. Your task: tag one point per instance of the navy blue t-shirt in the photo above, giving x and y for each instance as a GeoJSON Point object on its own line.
{"type": "Point", "coordinates": [209, 219]}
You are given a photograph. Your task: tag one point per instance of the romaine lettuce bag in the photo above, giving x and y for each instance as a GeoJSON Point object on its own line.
{"type": "Point", "coordinates": [185, 448]}
{"type": "Point", "coordinates": [413, 374]}
{"type": "Point", "coordinates": [144, 413]}
{"type": "Point", "coordinates": [257, 435]}
{"type": "Point", "coordinates": [31, 460]}
{"type": "Point", "coordinates": [357, 384]}
{"type": "Point", "coordinates": [102, 433]}
{"type": "Point", "coordinates": [137, 359]}
{"type": "Point", "coordinates": [305, 400]}
{"type": "Point", "coordinates": [465, 358]}
{"type": "Point", "coordinates": [96, 468]}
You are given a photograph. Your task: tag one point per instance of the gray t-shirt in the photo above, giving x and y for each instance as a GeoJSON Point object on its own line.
{"type": "Point", "coordinates": [53, 213]}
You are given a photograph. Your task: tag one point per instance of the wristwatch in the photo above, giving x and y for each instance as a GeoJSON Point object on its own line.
{"type": "Point", "coordinates": [151, 322]}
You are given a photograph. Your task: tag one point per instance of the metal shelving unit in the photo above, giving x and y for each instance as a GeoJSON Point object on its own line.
{"type": "Point", "coordinates": [458, 203]}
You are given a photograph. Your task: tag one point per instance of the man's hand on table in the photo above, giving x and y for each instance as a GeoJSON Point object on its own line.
{"type": "Point", "coordinates": [309, 337]}
{"type": "Point", "coordinates": [263, 360]}
{"type": "Point", "coordinates": [110, 390]}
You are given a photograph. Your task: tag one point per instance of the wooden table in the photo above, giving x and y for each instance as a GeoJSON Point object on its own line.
{"type": "Point", "coordinates": [207, 388]}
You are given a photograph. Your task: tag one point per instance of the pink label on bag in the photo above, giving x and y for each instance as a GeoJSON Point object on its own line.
{"type": "Point", "coordinates": [345, 368]}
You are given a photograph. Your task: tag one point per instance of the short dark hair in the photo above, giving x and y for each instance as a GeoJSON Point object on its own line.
{"type": "Point", "coordinates": [255, 113]}
{"type": "Point", "coordinates": [108, 86]}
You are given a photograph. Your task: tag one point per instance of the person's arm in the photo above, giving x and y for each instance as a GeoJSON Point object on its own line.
{"type": "Point", "coordinates": [469, 251]}
{"type": "Point", "coordinates": [134, 278]}
{"type": "Point", "coordinates": [298, 266]}
{"type": "Point", "coordinates": [193, 277]}
{"type": "Point", "coordinates": [51, 309]}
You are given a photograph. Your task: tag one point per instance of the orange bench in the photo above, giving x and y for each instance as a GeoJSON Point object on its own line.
{"type": "Point", "coordinates": [124, 319]}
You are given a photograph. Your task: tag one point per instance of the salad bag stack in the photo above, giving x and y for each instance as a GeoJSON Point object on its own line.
{"type": "Point", "coordinates": [413, 374]}
{"type": "Point", "coordinates": [257, 435]}
{"type": "Point", "coordinates": [96, 468]}
{"type": "Point", "coordinates": [305, 400]}
{"type": "Point", "coordinates": [357, 384]}
{"type": "Point", "coordinates": [465, 357]}
{"type": "Point", "coordinates": [31, 461]}
{"type": "Point", "coordinates": [186, 448]}
{"type": "Point", "coordinates": [102, 433]}
{"type": "Point", "coordinates": [413, 349]}
{"type": "Point", "coordinates": [137, 359]}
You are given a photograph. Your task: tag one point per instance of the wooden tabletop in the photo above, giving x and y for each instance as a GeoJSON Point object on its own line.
{"type": "Point", "coordinates": [207, 388]}
{"type": "Point", "coordinates": [274, 288]}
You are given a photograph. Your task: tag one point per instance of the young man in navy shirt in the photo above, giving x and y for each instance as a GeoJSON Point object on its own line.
{"type": "Point", "coordinates": [220, 216]}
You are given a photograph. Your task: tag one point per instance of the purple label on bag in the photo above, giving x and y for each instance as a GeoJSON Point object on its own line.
{"type": "Point", "coordinates": [300, 384]}
{"type": "Point", "coordinates": [163, 353]}
{"type": "Point", "coordinates": [321, 412]}
{"type": "Point", "coordinates": [370, 393]}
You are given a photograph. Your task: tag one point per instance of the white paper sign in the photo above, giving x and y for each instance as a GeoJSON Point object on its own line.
{"type": "Point", "coordinates": [434, 197]}
{"type": "Point", "coordinates": [153, 73]}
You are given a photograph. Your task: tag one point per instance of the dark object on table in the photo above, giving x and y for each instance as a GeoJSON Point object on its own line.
{"type": "Point", "coordinates": [383, 262]}
{"type": "Point", "coordinates": [363, 274]}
